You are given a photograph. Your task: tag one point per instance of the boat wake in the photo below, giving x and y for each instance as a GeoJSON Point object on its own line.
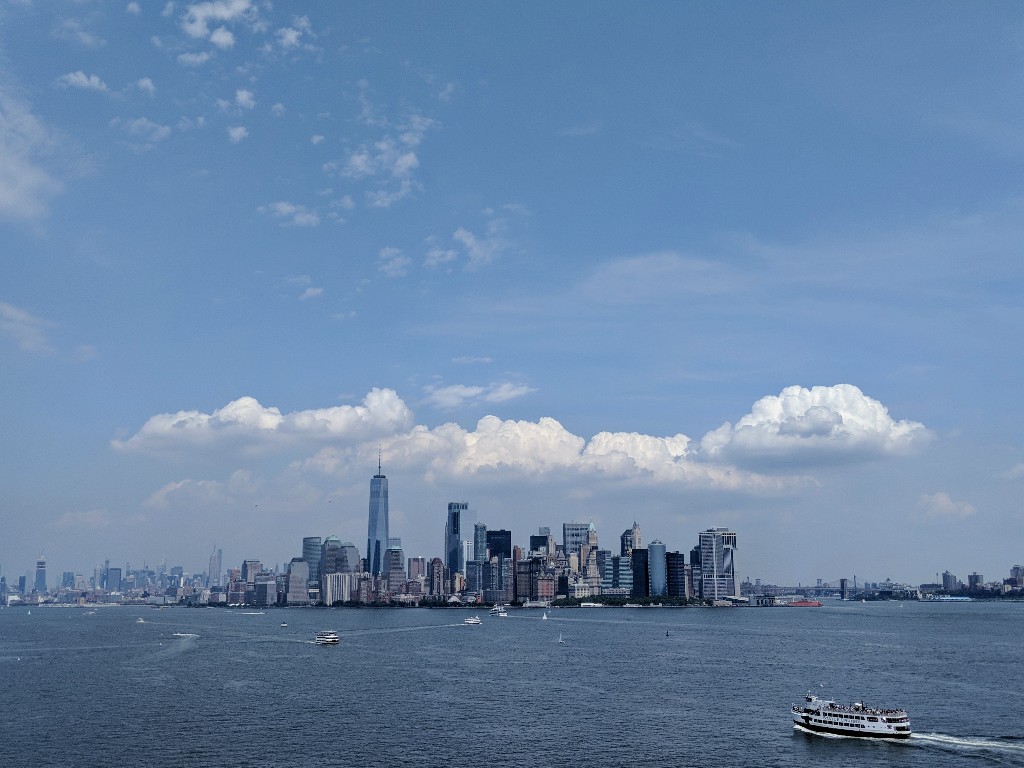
{"type": "Point", "coordinates": [184, 634]}
{"type": "Point", "coordinates": [1009, 745]}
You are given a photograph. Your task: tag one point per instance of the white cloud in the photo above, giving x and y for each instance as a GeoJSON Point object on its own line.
{"type": "Point", "coordinates": [278, 109]}
{"type": "Point", "coordinates": [288, 37]}
{"type": "Point", "coordinates": [437, 256]}
{"type": "Point", "coordinates": [222, 37]}
{"type": "Point", "coordinates": [940, 505]}
{"type": "Point", "coordinates": [472, 360]}
{"type": "Point", "coordinates": [291, 214]}
{"type": "Point", "coordinates": [133, 8]}
{"type": "Point", "coordinates": [81, 80]}
{"type": "Point", "coordinates": [316, 138]}
{"type": "Point", "coordinates": [458, 395]}
{"type": "Point", "coordinates": [1016, 472]}
{"type": "Point", "coordinates": [146, 86]}
{"type": "Point", "coordinates": [193, 59]}
{"type": "Point", "coordinates": [198, 16]}
{"type": "Point", "coordinates": [72, 29]}
{"type": "Point", "coordinates": [25, 185]}
{"type": "Point", "coordinates": [244, 99]}
{"type": "Point", "coordinates": [26, 330]}
{"type": "Point", "coordinates": [311, 293]}
{"type": "Point", "coordinates": [392, 263]}
{"type": "Point", "coordinates": [237, 133]}
{"type": "Point", "coordinates": [143, 130]}
{"type": "Point", "coordinates": [817, 424]}
{"type": "Point", "coordinates": [246, 422]}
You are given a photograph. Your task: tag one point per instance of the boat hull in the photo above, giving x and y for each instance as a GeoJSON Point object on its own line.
{"type": "Point", "coordinates": [832, 731]}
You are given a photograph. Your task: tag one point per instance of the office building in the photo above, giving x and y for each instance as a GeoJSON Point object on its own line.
{"type": "Point", "coordinates": [459, 527]}
{"type": "Point", "coordinates": [417, 568]}
{"type": "Point", "coordinates": [338, 587]}
{"type": "Point", "coordinates": [680, 582]}
{"type": "Point", "coordinates": [377, 531]}
{"type": "Point", "coordinates": [499, 544]}
{"type": "Point", "coordinates": [718, 564]}
{"type": "Point", "coordinates": [40, 583]}
{"type": "Point", "coordinates": [656, 569]}
{"type": "Point", "coordinates": [216, 563]}
{"type": "Point", "coordinates": [641, 575]}
{"type": "Point", "coordinates": [297, 589]}
{"type": "Point", "coordinates": [394, 565]}
{"type": "Point", "coordinates": [630, 540]}
{"type": "Point", "coordinates": [312, 547]}
{"type": "Point", "coordinates": [574, 536]}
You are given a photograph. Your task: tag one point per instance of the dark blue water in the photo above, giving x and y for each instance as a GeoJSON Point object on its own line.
{"type": "Point", "coordinates": [638, 687]}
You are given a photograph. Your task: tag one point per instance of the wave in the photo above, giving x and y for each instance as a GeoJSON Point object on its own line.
{"type": "Point", "coordinates": [184, 634]}
{"type": "Point", "coordinates": [1005, 744]}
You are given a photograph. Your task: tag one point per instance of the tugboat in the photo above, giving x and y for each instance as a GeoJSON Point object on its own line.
{"type": "Point", "coordinates": [825, 716]}
{"type": "Point", "coordinates": [327, 638]}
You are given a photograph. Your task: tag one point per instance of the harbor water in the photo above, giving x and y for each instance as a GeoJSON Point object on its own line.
{"type": "Point", "coordinates": [418, 687]}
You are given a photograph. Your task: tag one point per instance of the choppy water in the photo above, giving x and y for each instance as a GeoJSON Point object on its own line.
{"type": "Point", "coordinates": [638, 687]}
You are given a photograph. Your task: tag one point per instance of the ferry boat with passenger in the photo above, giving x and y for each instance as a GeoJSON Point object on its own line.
{"type": "Point", "coordinates": [825, 716]}
{"type": "Point", "coordinates": [327, 638]}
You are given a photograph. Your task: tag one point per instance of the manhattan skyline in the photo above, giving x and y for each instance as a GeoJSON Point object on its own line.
{"type": "Point", "coordinates": [673, 263]}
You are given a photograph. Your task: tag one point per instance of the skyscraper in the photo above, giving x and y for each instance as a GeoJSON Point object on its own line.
{"type": "Point", "coordinates": [718, 564]}
{"type": "Point", "coordinates": [311, 551]}
{"type": "Point", "coordinates": [297, 591]}
{"type": "Point", "coordinates": [499, 544]}
{"type": "Point", "coordinates": [377, 533]}
{"type": "Point", "coordinates": [458, 527]}
{"type": "Point", "coordinates": [630, 540]}
{"type": "Point", "coordinates": [216, 560]}
{"type": "Point", "coordinates": [574, 536]}
{"type": "Point", "coordinates": [40, 585]}
{"type": "Point", "coordinates": [657, 568]}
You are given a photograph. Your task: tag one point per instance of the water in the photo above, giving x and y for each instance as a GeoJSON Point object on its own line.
{"type": "Point", "coordinates": [638, 687]}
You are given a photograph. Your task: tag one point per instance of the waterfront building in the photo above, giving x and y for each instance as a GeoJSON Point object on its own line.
{"type": "Point", "coordinates": [950, 583]}
{"type": "Point", "coordinates": [435, 578]}
{"type": "Point", "coordinates": [40, 584]}
{"type": "Point", "coordinates": [680, 580]}
{"type": "Point", "coordinates": [630, 540]}
{"type": "Point", "coordinates": [377, 529]}
{"type": "Point", "coordinates": [458, 528]}
{"type": "Point", "coordinates": [312, 547]}
{"type": "Point", "coordinates": [617, 575]}
{"type": "Point", "coordinates": [394, 565]}
{"type": "Point", "coordinates": [657, 569]}
{"type": "Point", "coordinates": [641, 574]}
{"type": "Point", "coordinates": [718, 564]}
{"type": "Point", "coordinates": [297, 590]}
{"type": "Point", "coordinates": [338, 587]}
{"type": "Point", "coordinates": [475, 575]}
{"type": "Point", "coordinates": [543, 544]}
{"type": "Point", "coordinates": [113, 579]}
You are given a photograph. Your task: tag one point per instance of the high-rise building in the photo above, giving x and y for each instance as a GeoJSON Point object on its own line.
{"type": "Point", "coordinates": [40, 584]}
{"type": "Point", "coordinates": [641, 573]}
{"type": "Point", "coordinates": [349, 560]}
{"type": "Point", "coordinates": [394, 565]}
{"type": "Point", "coordinates": [330, 554]}
{"type": "Point", "coordinates": [458, 527]}
{"type": "Point", "coordinates": [216, 563]}
{"type": "Point", "coordinates": [479, 541]}
{"type": "Point", "coordinates": [297, 591]}
{"type": "Point", "coordinates": [249, 570]}
{"type": "Point", "coordinates": [657, 569]}
{"type": "Point", "coordinates": [680, 582]}
{"type": "Point", "coordinates": [718, 564]}
{"type": "Point", "coordinates": [113, 579]}
{"type": "Point", "coordinates": [377, 532]}
{"type": "Point", "coordinates": [630, 540]}
{"type": "Point", "coordinates": [499, 544]}
{"type": "Point", "coordinates": [435, 578]}
{"type": "Point", "coordinates": [311, 551]}
{"type": "Point", "coordinates": [574, 536]}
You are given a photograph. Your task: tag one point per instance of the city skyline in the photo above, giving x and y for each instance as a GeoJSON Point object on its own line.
{"type": "Point", "coordinates": [669, 263]}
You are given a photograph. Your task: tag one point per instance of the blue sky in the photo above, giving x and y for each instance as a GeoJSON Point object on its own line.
{"type": "Point", "coordinates": [689, 264]}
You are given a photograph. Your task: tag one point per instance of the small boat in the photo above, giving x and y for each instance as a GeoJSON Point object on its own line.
{"type": "Point", "coordinates": [806, 603]}
{"type": "Point", "coordinates": [140, 620]}
{"type": "Point", "coordinates": [472, 620]}
{"type": "Point", "coordinates": [560, 640]}
{"type": "Point", "coordinates": [544, 617]}
{"type": "Point", "coordinates": [327, 638]}
{"type": "Point", "coordinates": [284, 623]}
{"type": "Point", "coordinates": [499, 610]}
{"type": "Point", "coordinates": [825, 716]}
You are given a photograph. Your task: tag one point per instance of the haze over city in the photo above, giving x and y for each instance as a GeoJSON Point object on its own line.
{"type": "Point", "coordinates": [687, 264]}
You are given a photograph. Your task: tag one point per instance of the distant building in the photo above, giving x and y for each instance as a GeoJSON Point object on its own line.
{"type": "Point", "coordinates": [479, 542]}
{"type": "Point", "coordinates": [311, 551]}
{"type": "Point", "coordinates": [641, 574]}
{"type": "Point", "coordinates": [630, 540]}
{"type": "Point", "coordinates": [377, 529]}
{"type": "Point", "coordinates": [499, 544]}
{"type": "Point", "coordinates": [950, 583]}
{"type": "Point", "coordinates": [680, 581]}
{"type": "Point", "coordinates": [417, 568]}
{"type": "Point", "coordinates": [394, 566]}
{"type": "Point", "coordinates": [975, 581]}
{"type": "Point", "coordinates": [338, 587]}
{"type": "Point", "coordinates": [574, 536]}
{"type": "Point", "coordinates": [40, 584]}
{"type": "Point", "coordinates": [297, 590]}
{"type": "Point", "coordinates": [214, 574]}
{"type": "Point", "coordinates": [718, 564]}
{"type": "Point", "coordinates": [459, 527]}
{"type": "Point", "coordinates": [250, 568]}
{"type": "Point", "coordinates": [435, 578]}
{"type": "Point", "coordinates": [657, 569]}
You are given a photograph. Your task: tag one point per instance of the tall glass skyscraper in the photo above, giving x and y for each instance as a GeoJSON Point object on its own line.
{"type": "Point", "coordinates": [460, 526]}
{"type": "Point", "coordinates": [377, 533]}
{"type": "Point", "coordinates": [718, 564]}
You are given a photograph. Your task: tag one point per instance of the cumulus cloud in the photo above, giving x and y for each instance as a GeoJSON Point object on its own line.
{"type": "Point", "coordinates": [133, 8]}
{"type": "Point", "coordinates": [26, 186]}
{"type": "Point", "coordinates": [222, 37]}
{"type": "Point", "coordinates": [290, 214]}
{"type": "Point", "coordinates": [81, 80]}
{"type": "Point", "coordinates": [940, 505]}
{"type": "Point", "coordinates": [822, 423]}
{"type": "Point", "coordinates": [199, 16]}
{"type": "Point", "coordinates": [246, 422]}
{"type": "Point", "coordinates": [142, 130]}
{"type": "Point", "coordinates": [392, 263]}
{"type": "Point", "coordinates": [1016, 472]}
{"type": "Point", "coordinates": [237, 133]}
{"type": "Point", "coordinates": [245, 99]}
{"type": "Point", "coordinates": [193, 59]}
{"type": "Point", "coordinates": [146, 86]}
{"type": "Point", "coordinates": [457, 395]}
{"type": "Point", "coordinates": [25, 329]}
{"type": "Point", "coordinates": [311, 293]}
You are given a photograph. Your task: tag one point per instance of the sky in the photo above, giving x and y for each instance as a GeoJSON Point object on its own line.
{"type": "Point", "coordinates": [693, 265]}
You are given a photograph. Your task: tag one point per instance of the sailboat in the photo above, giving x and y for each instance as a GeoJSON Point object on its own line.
{"type": "Point", "coordinates": [545, 616]}
{"type": "Point", "coordinates": [560, 640]}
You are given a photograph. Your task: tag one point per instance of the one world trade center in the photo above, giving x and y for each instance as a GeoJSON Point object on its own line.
{"type": "Point", "coordinates": [377, 533]}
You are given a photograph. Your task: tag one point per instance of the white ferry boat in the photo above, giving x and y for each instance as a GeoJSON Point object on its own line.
{"type": "Point", "coordinates": [825, 716]}
{"type": "Point", "coordinates": [327, 638]}
{"type": "Point", "coordinates": [499, 610]}
{"type": "Point", "coordinates": [472, 620]}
